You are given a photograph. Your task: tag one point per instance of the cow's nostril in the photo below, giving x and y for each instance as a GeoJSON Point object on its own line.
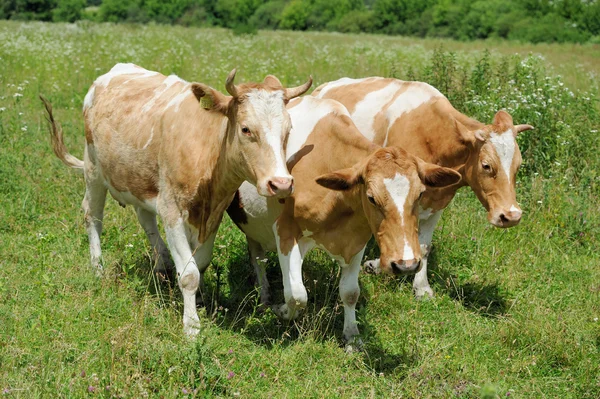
{"type": "Point", "coordinates": [503, 218]}
{"type": "Point", "coordinates": [273, 187]}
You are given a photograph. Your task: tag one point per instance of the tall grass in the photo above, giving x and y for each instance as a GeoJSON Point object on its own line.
{"type": "Point", "coordinates": [516, 312]}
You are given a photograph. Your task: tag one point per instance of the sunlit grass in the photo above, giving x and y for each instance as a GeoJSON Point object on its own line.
{"type": "Point", "coordinates": [516, 312]}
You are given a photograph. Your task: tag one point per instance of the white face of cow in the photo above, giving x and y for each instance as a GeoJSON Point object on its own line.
{"type": "Point", "coordinates": [257, 130]}
{"type": "Point", "coordinates": [263, 125]}
{"type": "Point", "coordinates": [493, 170]}
{"type": "Point", "coordinates": [391, 183]}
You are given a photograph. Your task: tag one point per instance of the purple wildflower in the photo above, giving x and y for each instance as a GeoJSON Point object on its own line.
{"type": "Point", "coordinates": [230, 375]}
{"type": "Point", "coordinates": [91, 389]}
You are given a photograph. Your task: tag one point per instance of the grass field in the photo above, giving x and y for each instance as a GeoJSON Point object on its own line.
{"type": "Point", "coordinates": [516, 312]}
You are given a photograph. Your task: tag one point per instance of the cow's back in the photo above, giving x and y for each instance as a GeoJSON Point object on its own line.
{"type": "Point", "coordinates": [134, 118]}
{"type": "Point", "coordinates": [411, 115]}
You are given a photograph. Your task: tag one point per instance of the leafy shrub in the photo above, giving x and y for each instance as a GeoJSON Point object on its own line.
{"type": "Point", "coordinates": [355, 21]}
{"type": "Point", "coordinates": [549, 28]}
{"type": "Point", "coordinates": [295, 16]}
{"type": "Point", "coordinates": [196, 16]}
{"type": "Point", "coordinates": [116, 10]}
{"type": "Point", "coordinates": [268, 15]}
{"type": "Point", "coordinates": [68, 10]}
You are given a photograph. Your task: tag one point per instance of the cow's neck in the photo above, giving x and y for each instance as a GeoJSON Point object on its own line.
{"type": "Point", "coordinates": [216, 190]}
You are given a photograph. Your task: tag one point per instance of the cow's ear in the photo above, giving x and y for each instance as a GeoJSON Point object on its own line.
{"type": "Point", "coordinates": [210, 98]}
{"type": "Point", "coordinates": [273, 82]}
{"type": "Point", "coordinates": [341, 180]}
{"type": "Point", "coordinates": [502, 118]}
{"type": "Point", "coordinates": [469, 136]}
{"type": "Point", "coordinates": [436, 176]}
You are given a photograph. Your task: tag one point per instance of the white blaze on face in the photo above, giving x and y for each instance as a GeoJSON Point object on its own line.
{"type": "Point", "coordinates": [504, 144]}
{"type": "Point", "coordinates": [269, 111]}
{"type": "Point", "coordinates": [398, 188]}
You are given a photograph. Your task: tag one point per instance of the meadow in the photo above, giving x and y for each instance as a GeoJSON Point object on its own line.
{"type": "Point", "coordinates": [516, 312]}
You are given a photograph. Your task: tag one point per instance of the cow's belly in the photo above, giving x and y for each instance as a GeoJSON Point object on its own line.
{"type": "Point", "coordinates": [127, 198]}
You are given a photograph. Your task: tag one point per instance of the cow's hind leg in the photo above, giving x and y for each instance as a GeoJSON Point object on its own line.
{"type": "Point", "coordinates": [259, 262]}
{"type": "Point", "coordinates": [203, 255]}
{"type": "Point", "coordinates": [148, 221]}
{"type": "Point", "coordinates": [93, 208]}
{"type": "Point", "coordinates": [349, 292]}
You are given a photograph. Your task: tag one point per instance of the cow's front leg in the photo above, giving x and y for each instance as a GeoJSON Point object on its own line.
{"type": "Point", "coordinates": [350, 292]}
{"type": "Point", "coordinates": [188, 275]}
{"type": "Point", "coordinates": [421, 287]}
{"type": "Point", "coordinates": [291, 254]}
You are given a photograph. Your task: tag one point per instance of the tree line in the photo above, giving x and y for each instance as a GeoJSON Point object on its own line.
{"type": "Point", "coordinates": [525, 20]}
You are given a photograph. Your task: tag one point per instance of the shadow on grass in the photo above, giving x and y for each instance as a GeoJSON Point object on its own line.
{"type": "Point", "coordinates": [239, 310]}
{"type": "Point", "coordinates": [488, 300]}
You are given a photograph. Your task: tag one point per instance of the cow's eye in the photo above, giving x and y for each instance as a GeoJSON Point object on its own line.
{"type": "Point", "coordinates": [246, 130]}
{"type": "Point", "coordinates": [486, 166]}
{"type": "Point", "coordinates": [371, 199]}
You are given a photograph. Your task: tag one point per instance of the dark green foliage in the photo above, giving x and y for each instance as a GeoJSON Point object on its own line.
{"type": "Point", "coordinates": [524, 20]}
{"type": "Point", "coordinates": [68, 10]}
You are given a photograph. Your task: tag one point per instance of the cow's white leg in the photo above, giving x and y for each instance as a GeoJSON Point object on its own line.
{"type": "Point", "coordinates": [259, 262]}
{"type": "Point", "coordinates": [421, 286]}
{"type": "Point", "coordinates": [93, 208]}
{"type": "Point", "coordinates": [188, 275]}
{"type": "Point", "coordinates": [148, 221]}
{"type": "Point", "coordinates": [350, 292]}
{"type": "Point", "coordinates": [203, 255]}
{"type": "Point", "coordinates": [294, 291]}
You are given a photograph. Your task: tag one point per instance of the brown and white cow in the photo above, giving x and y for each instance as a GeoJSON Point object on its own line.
{"type": "Point", "coordinates": [417, 117]}
{"type": "Point", "coordinates": [346, 190]}
{"type": "Point", "coordinates": [179, 150]}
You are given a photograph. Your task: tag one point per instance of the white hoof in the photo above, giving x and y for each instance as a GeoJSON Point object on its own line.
{"type": "Point", "coordinates": [372, 266]}
{"type": "Point", "coordinates": [354, 345]}
{"type": "Point", "coordinates": [423, 292]}
{"type": "Point", "coordinates": [191, 329]}
{"type": "Point", "coordinates": [285, 312]}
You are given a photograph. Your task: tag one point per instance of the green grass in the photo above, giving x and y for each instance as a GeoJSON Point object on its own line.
{"type": "Point", "coordinates": [516, 311]}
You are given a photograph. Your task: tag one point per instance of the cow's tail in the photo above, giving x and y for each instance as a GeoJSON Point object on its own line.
{"type": "Point", "coordinates": [56, 136]}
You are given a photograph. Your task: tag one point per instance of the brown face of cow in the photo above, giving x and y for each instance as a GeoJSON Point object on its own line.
{"type": "Point", "coordinates": [492, 170]}
{"type": "Point", "coordinates": [258, 127]}
{"type": "Point", "coordinates": [391, 183]}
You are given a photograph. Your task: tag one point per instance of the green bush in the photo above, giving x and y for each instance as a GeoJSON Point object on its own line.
{"type": "Point", "coordinates": [355, 21]}
{"type": "Point", "coordinates": [524, 20]}
{"type": "Point", "coordinates": [549, 28]}
{"type": "Point", "coordinates": [268, 15]}
{"type": "Point", "coordinates": [295, 16]}
{"type": "Point", "coordinates": [116, 10]}
{"type": "Point", "coordinates": [196, 16]}
{"type": "Point", "coordinates": [68, 10]}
